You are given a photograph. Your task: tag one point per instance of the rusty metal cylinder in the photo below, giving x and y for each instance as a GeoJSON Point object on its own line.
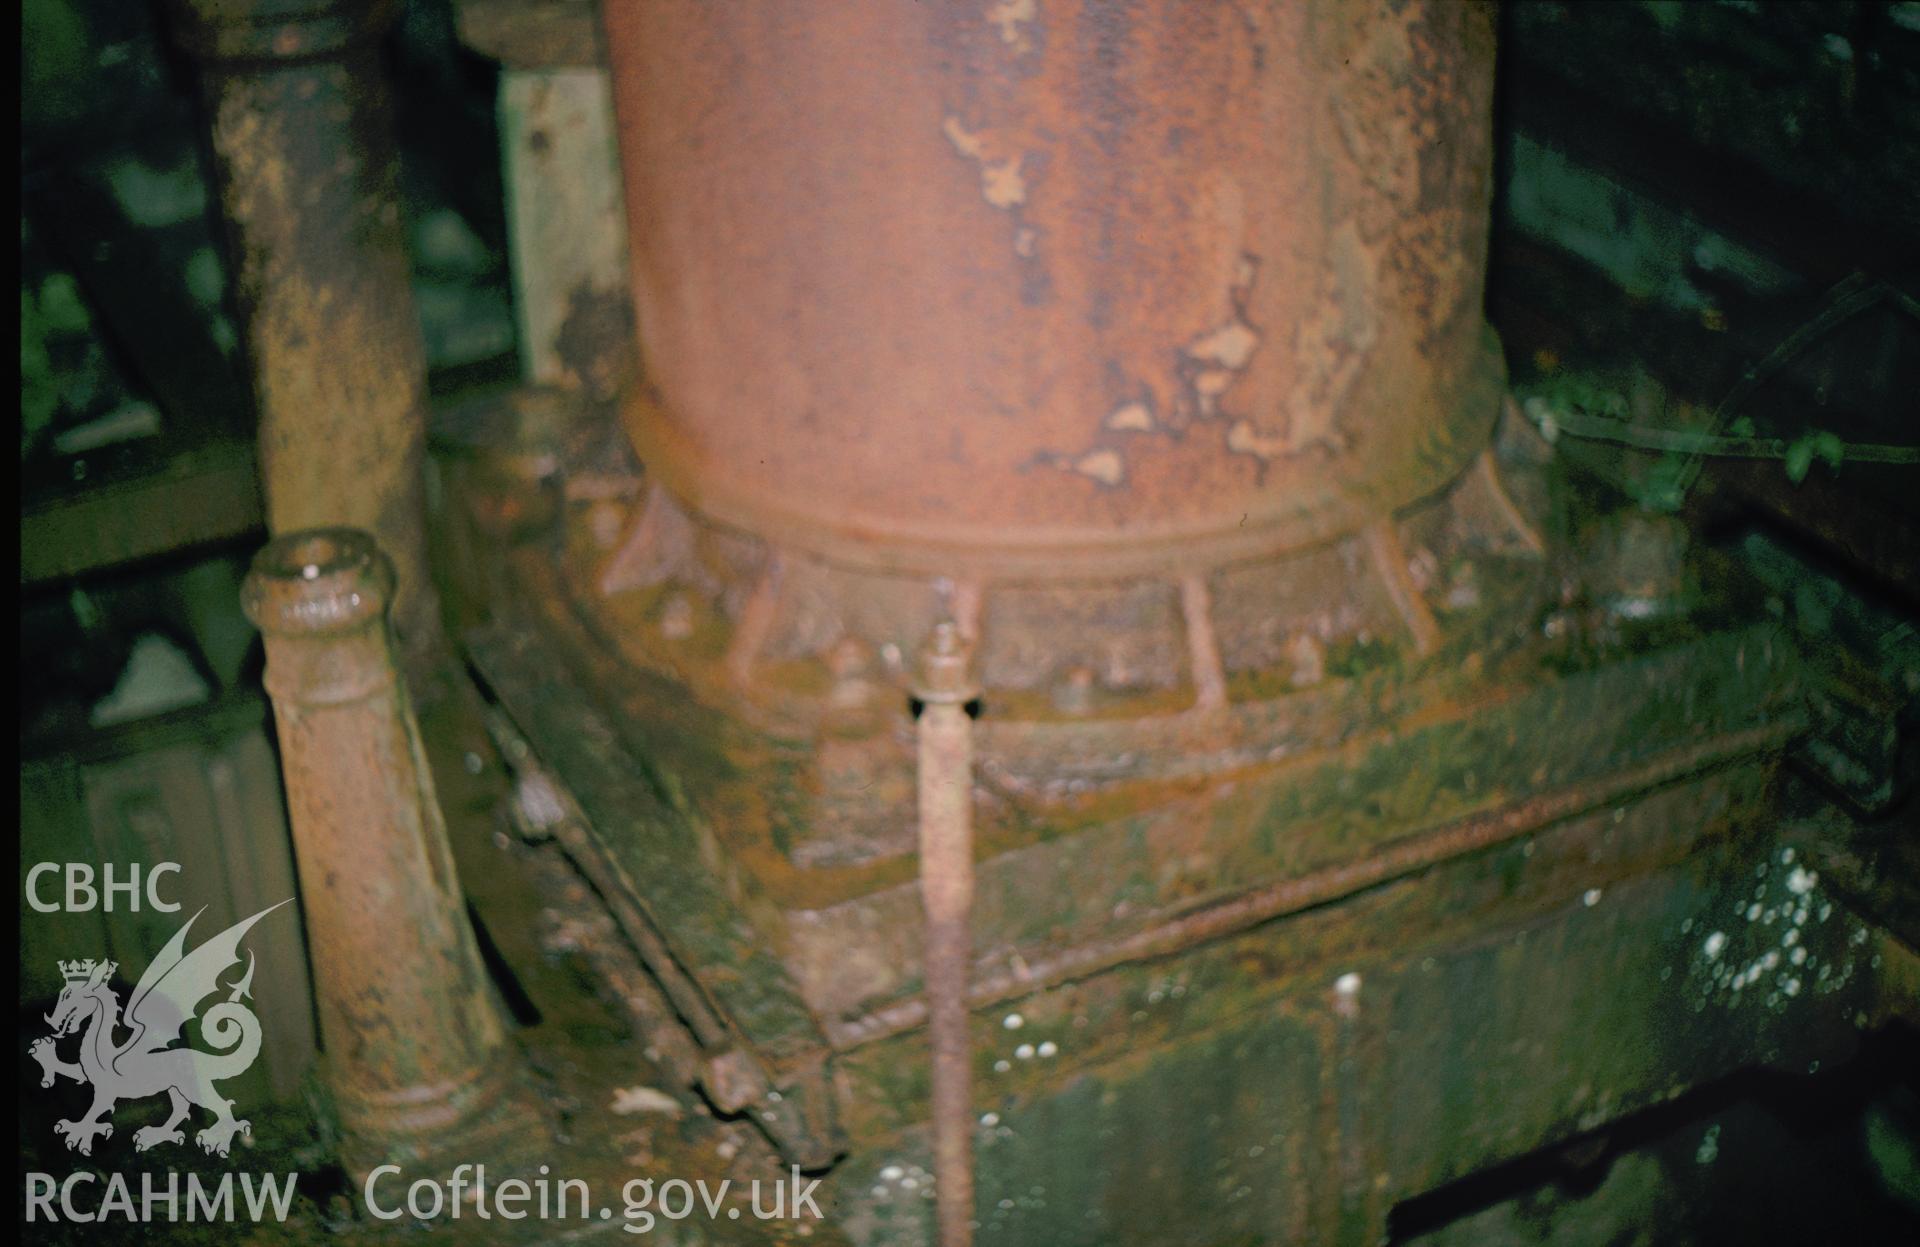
{"type": "Point", "coordinates": [416, 1051]}
{"type": "Point", "coordinates": [1050, 288]}
{"type": "Point", "coordinates": [309, 186]}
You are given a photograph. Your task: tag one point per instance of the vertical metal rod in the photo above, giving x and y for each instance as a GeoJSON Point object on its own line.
{"type": "Point", "coordinates": [417, 1054]}
{"type": "Point", "coordinates": [1203, 647]}
{"type": "Point", "coordinates": [946, 890]}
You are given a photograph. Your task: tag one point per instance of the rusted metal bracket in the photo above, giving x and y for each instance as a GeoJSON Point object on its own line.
{"type": "Point", "coordinates": [731, 1077]}
{"type": "Point", "coordinates": [1389, 557]}
{"type": "Point", "coordinates": [680, 926]}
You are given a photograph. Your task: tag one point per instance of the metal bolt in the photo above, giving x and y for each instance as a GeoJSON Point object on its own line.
{"type": "Point", "coordinates": [945, 667]}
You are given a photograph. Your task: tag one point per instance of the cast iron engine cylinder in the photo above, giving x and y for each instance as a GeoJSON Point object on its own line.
{"type": "Point", "coordinates": [1048, 290]}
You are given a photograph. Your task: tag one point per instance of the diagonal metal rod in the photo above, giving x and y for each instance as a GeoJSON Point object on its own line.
{"type": "Point", "coordinates": [946, 890]}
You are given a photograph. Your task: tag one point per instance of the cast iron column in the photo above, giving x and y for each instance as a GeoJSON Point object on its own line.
{"type": "Point", "coordinates": [308, 172]}
{"type": "Point", "coordinates": [415, 1049]}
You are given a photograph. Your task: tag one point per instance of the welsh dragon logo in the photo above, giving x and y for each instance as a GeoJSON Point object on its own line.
{"type": "Point", "coordinates": [143, 1064]}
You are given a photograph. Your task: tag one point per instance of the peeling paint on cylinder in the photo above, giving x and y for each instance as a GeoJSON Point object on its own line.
{"type": "Point", "coordinates": [897, 267]}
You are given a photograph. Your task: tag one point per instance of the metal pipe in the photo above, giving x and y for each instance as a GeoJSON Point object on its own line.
{"type": "Point", "coordinates": [416, 1052]}
{"type": "Point", "coordinates": [946, 890]}
{"type": "Point", "coordinates": [303, 139]}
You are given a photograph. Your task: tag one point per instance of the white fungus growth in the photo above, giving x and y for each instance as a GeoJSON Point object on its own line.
{"type": "Point", "coordinates": [1714, 944]}
{"type": "Point", "coordinates": [1591, 897]}
{"type": "Point", "coordinates": [1013, 1021]}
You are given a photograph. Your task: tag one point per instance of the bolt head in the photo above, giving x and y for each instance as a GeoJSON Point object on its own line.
{"type": "Point", "coordinates": [945, 666]}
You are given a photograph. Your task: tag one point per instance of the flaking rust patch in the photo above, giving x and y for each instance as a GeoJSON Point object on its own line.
{"type": "Point", "coordinates": [1378, 110]}
{"type": "Point", "coordinates": [1001, 183]}
{"type": "Point", "coordinates": [1245, 438]}
{"type": "Point", "coordinates": [1216, 358]}
{"type": "Point", "coordinates": [1332, 347]}
{"type": "Point", "coordinates": [1012, 17]}
{"type": "Point", "coordinates": [1103, 465]}
{"type": "Point", "coordinates": [1226, 349]}
{"type": "Point", "coordinates": [1395, 92]}
{"type": "Point", "coordinates": [1132, 417]}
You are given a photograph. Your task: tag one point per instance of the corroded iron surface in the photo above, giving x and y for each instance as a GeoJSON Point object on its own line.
{"type": "Point", "coordinates": [1047, 288]}
{"type": "Point", "coordinates": [416, 1052]}
{"type": "Point", "coordinates": [797, 643]}
{"type": "Point", "coordinates": [1331, 750]}
{"type": "Point", "coordinates": [309, 185]}
{"type": "Point", "coordinates": [1222, 937]}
